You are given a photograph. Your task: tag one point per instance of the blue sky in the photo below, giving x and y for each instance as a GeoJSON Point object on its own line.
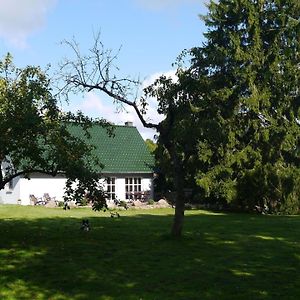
{"type": "Point", "coordinates": [151, 33]}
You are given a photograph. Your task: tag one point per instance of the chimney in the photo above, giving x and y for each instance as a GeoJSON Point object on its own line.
{"type": "Point", "coordinates": [129, 124]}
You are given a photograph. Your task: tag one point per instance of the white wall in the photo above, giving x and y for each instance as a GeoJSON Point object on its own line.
{"type": "Point", "coordinates": [38, 186]}
{"type": "Point", "coordinates": [148, 186]}
{"type": "Point", "coordinates": [120, 188]}
{"type": "Point", "coordinates": [54, 186]}
{"type": "Point", "coordinates": [11, 196]}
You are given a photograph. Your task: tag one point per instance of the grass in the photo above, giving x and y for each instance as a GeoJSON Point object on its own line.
{"type": "Point", "coordinates": [44, 255]}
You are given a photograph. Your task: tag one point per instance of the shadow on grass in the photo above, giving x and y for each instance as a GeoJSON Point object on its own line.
{"type": "Point", "coordinates": [220, 257]}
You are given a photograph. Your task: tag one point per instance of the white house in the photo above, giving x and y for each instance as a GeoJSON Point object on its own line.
{"type": "Point", "coordinates": [127, 172]}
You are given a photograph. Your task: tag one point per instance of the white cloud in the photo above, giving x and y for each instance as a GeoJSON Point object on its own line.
{"type": "Point", "coordinates": [149, 80]}
{"type": "Point", "coordinates": [21, 18]}
{"type": "Point", "coordinates": [95, 105]}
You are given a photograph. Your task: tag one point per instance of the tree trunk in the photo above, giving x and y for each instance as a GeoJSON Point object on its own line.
{"type": "Point", "coordinates": [179, 201]}
{"type": "Point", "coordinates": [1, 177]}
{"type": "Point", "coordinates": [179, 214]}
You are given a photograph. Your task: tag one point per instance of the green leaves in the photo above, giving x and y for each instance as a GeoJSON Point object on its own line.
{"type": "Point", "coordinates": [249, 112]}
{"type": "Point", "coordinates": [35, 135]}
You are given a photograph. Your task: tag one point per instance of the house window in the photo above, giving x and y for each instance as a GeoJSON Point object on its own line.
{"type": "Point", "coordinates": [133, 188]}
{"type": "Point", "coordinates": [111, 188]}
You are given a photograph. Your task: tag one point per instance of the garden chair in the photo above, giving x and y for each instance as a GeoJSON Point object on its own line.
{"type": "Point", "coordinates": [47, 198]}
{"type": "Point", "coordinates": [50, 200]}
{"type": "Point", "coordinates": [36, 200]}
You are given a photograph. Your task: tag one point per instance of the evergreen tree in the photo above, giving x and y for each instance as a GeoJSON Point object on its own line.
{"type": "Point", "coordinates": [231, 119]}
{"type": "Point", "coordinates": [248, 71]}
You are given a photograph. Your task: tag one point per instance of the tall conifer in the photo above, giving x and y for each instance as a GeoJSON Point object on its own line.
{"type": "Point", "coordinates": [249, 71]}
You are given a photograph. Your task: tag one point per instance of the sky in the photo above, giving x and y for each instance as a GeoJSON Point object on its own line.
{"type": "Point", "coordinates": [150, 33]}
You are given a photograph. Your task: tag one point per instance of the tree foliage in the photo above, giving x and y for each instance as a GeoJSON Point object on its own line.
{"type": "Point", "coordinates": [231, 119]}
{"type": "Point", "coordinates": [232, 116]}
{"type": "Point", "coordinates": [176, 143]}
{"type": "Point", "coordinates": [35, 135]}
{"type": "Point", "coordinates": [150, 145]}
{"type": "Point", "coordinates": [248, 73]}
{"type": "Point", "coordinates": [96, 71]}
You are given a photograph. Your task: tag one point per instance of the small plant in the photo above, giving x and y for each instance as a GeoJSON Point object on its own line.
{"type": "Point", "coordinates": [151, 201]}
{"type": "Point", "coordinates": [60, 204]}
{"type": "Point", "coordinates": [83, 202]}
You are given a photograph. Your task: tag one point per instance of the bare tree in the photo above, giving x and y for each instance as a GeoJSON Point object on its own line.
{"type": "Point", "coordinates": [98, 71]}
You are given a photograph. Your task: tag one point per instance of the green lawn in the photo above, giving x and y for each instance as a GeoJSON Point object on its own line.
{"type": "Point", "coordinates": [44, 255]}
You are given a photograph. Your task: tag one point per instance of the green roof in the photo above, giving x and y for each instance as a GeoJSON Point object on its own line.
{"type": "Point", "coordinates": [124, 152]}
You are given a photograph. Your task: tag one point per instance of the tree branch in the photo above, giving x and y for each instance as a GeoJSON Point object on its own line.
{"type": "Point", "coordinates": [117, 97]}
{"type": "Point", "coordinates": [95, 72]}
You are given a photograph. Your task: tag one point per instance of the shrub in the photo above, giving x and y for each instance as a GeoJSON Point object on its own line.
{"type": "Point", "coordinates": [276, 187]}
{"type": "Point", "coordinates": [60, 204]}
{"type": "Point", "coordinates": [83, 202]}
{"type": "Point", "coordinates": [151, 201]}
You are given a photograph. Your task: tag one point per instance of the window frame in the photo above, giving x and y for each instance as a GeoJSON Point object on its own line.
{"type": "Point", "coordinates": [111, 188]}
{"type": "Point", "coordinates": [133, 188]}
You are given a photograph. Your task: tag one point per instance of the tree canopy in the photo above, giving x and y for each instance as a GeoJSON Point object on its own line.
{"type": "Point", "coordinates": [247, 74]}
{"type": "Point", "coordinates": [34, 135]}
{"type": "Point", "coordinates": [232, 116]}
{"type": "Point", "coordinates": [231, 119]}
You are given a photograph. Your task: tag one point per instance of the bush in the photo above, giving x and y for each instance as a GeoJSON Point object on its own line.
{"type": "Point", "coordinates": [151, 201]}
{"type": "Point", "coordinates": [272, 186]}
{"type": "Point", "coordinates": [83, 202]}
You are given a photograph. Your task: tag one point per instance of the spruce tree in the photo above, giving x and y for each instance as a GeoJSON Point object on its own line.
{"type": "Point", "coordinates": [248, 78]}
